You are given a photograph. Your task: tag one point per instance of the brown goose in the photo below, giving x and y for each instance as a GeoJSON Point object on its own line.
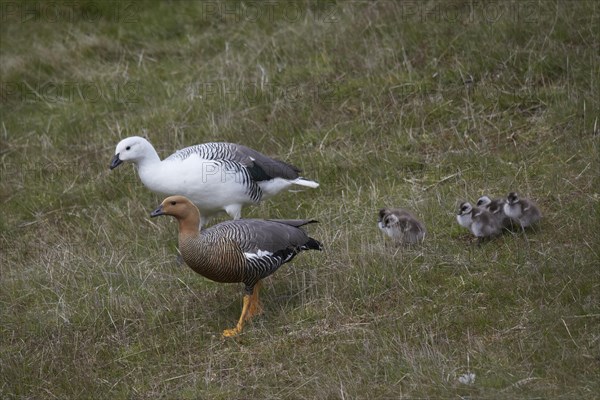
{"type": "Point", "coordinates": [242, 250]}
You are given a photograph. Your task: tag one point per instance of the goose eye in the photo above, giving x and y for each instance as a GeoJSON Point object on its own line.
{"type": "Point", "coordinates": [173, 203]}
{"type": "Point", "coordinates": [128, 148]}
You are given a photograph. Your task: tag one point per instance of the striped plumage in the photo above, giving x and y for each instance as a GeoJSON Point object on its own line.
{"type": "Point", "coordinates": [216, 177]}
{"type": "Point", "coordinates": [244, 250]}
{"type": "Point", "coordinates": [248, 249]}
{"type": "Point", "coordinates": [260, 166]}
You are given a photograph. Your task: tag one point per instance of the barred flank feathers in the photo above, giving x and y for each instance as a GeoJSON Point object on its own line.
{"type": "Point", "coordinates": [243, 250]}
{"type": "Point", "coordinates": [260, 166]}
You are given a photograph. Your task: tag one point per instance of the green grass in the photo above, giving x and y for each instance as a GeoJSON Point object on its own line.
{"type": "Point", "coordinates": [385, 104]}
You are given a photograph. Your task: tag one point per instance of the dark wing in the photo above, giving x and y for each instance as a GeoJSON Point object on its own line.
{"type": "Point", "coordinates": [266, 244]}
{"type": "Point", "coordinates": [258, 236]}
{"type": "Point", "coordinates": [262, 167]}
{"type": "Point", "coordinates": [295, 222]}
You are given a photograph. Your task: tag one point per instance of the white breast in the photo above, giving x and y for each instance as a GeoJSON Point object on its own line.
{"type": "Point", "coordinates": [512, 211]}
{"type": "Point", "coordinates": [209, 184]}
{"type": "Point", "coordinates": [464, 220]}
{"type": "Point", "coordinates": [477, 229]}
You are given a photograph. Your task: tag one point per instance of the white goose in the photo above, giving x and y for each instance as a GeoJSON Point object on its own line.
{"type": "Point", "coordinates": [215, 176]}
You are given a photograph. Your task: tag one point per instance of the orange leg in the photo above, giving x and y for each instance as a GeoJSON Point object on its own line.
{"type": "Point", "coordinates": [251, 307]}
{"type": "Point", "coordinates": [255, 305]}
{"type": "Point", "coordinates": [238, 328]}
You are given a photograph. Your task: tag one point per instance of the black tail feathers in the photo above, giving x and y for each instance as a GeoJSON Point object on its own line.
{"type": "Point", "coordinates": [312, 244]}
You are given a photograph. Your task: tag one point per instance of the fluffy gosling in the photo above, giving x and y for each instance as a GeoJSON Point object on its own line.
{"type": "Point", "coordinates": [484, 224]}
{"type": "Point", "coordinates": [401, 226]}
{"type": "Point", "coordinates": [522, 210]}
{"type": "Point", "coordinates": [496, 208]}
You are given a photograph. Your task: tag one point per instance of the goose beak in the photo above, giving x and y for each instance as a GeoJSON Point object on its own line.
{"type": "Point", "coordinates": [157, 212]}
{"type": "Point", "coordinates": [116, 161]}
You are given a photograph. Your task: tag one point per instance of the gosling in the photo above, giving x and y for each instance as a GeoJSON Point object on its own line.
{"type": "Point", "coordinates": [401, 226]}
{"type": "Point", "coordinates": [522, 210]}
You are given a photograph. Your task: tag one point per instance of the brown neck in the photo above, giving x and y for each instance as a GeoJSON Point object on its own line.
{"type": "Point", "coordinates": [189, 226]}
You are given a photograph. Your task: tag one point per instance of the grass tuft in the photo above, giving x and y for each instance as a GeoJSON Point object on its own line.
{"type": "Point", "coordinates": [398, 104]}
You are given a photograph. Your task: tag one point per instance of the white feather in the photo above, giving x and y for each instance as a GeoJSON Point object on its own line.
{"type": "Point", "coordinates": [258, 254]}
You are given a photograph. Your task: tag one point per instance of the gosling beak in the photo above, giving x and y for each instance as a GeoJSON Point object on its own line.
{"type": "Point", "coordinates": [157, 212]}
{"type": "Point", "coordinates": [116, 161]}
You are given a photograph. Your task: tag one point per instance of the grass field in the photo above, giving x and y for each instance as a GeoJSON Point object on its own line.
{"type": "Point", "coordinates": [411, 104]}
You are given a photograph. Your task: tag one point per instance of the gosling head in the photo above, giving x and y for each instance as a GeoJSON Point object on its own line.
{"type": "Point", "coordinates": [387, 218]}
{"type": "Point", "coordinates": [465, 208]}
{"type": "Point", "coordinates": [484, 201]}
{"type": "Point", "coordinates": [512, 198]}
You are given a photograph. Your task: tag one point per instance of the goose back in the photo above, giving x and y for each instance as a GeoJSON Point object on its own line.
{"type": "Point", "coordinates": [245, 250]}
{"type": "Point", "coordinates": [259, 165]}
